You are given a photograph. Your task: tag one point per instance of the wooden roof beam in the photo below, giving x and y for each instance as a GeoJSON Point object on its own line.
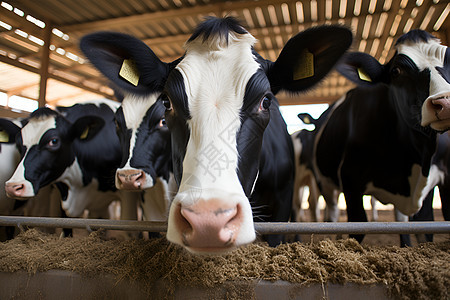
{"type": "Point", "coordinates": [217, 8]}
{"type": "Point", "coordinates": [26, 67]}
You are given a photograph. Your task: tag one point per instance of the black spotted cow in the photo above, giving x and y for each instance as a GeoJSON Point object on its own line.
{"type": "Point", "coordinates": [303, 141]}
{"type": "Point", "coordinates": [232, 155]}
{"type": "Point", "coordinates": [441, 161]}
{"type": "Point", "coordinates": [45, 204]}
{"type": "Point", "coordinates": [379, 139]}
{"type": "Point", "coordinates": [145, 139]}
{"type": "Point", "coordinates": [9, 158]}
{"type": "Point", "coordinates": [77, 148]}
{"type": "Point", "coordinates": [229, 138]}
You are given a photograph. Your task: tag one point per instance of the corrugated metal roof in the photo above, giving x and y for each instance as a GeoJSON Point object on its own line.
{"type": "Point", "coordinates": [166, 24]}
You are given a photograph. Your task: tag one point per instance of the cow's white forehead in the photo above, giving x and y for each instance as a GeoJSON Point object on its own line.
{"type": "Point", "coordinates": [134, 109]}
{"type": "Point", "coordinates": [215, 78]}
{"type": "Point", "coordinates": [425, 55]}
{"type": "Point", "coordinates": [35, 128]}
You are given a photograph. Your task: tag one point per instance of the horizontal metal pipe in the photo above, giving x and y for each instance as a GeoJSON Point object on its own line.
{"type": "Point", "coordinates": [262, 228]}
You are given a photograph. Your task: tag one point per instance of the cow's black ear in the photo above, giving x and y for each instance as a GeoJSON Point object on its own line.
{"type": "Point", "coordinates": [8, 131]}
{"type": "Point", "coordinates": [306, 118]}
{"type": "Point", "coordinates": [308, 57]}
{"type": "Point", "coordinates": [85, 128]}
{"type": "Point", "coordinates": [361, 68]}
{"type": "Point", "coordinates": [127, 61]}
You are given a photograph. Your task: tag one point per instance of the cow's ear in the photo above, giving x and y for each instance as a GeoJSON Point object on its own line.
{"type": "Point", "coordinates": [361, 68]}
{"type": "Point", "coordinates": [308, 57]}
{"type": "Point", "coordinates": [85, 128]}
{"type": "Point", "coordinates": [8, 131]}
{"type": "Point", "coordinates": [127, 61]}
{"type": "Point", "coordinates": [306, 118]}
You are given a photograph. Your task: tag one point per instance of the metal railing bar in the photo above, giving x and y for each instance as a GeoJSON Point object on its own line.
{"type": "Point", "coordinates": [261, 228]}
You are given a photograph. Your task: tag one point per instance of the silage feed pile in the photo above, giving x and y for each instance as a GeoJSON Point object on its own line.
{"type": "Point", "coordinates": [421, 272]}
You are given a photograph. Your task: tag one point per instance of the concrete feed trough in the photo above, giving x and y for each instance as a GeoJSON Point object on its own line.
{"type": "Point", "coordinates": [37, 265]}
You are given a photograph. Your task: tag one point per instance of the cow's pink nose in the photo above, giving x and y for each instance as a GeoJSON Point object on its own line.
{"type": "Point", "coordinates": [14, 189]}
{"type": "Point", "coordinates": [442, 107]}
{"type": "Point", "coordinates": [130, 179]}
{"type": "Point", "coordinates": [209, 225]}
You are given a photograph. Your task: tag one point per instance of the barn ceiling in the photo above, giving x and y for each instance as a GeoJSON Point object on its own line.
{"type": "Point", "coordinates": [166, 24]}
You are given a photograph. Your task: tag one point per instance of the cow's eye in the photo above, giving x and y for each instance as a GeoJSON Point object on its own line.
{"type": "Point", "coordinates": [166, 102]}
{"type": "Point", "coordinates": [396, 71]}
{"type": "Point", "coordinates": [162, 123]}
{"type": "Point", "coordinates": [53, 143]}
{"type": "Point", "coordinates": [265, 103]}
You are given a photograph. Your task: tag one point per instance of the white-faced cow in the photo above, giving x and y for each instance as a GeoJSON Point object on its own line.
{"type": "Point", "coordinates": [379, 138]}
{"type": "Point", "coordinates": [46, 203]}
{"type": "Point", "coordinates": [9, 158]}
{"type": "Point", "coordinates": [230, 147]}
{"type": "Point", "coordinates": [145, 139]}
{"type": "Point", "coordinates": [78, 148]}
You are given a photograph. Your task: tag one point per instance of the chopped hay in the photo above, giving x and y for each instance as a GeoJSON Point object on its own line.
{"type": "Point", "coordinates": [421, 272]}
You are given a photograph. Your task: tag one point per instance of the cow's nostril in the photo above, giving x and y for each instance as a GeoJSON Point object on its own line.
{"type": "Point", "coordinates": [206, 225]}
{"type": "Point", "coordinates": [15, 190]}
{"type": "Point", "coordinates": [129, 177]}
{"type": "Point", "coordinates": [18, 187]}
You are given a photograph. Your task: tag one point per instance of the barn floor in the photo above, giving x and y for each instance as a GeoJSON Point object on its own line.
{"type": "Point", "coordinates": [94, 267]}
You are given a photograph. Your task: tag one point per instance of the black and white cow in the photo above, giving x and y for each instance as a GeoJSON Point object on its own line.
{"type": "Point", "coordinates": [46, 203]}
{"type": "Point", "coordinates": [379, 138]}
{"type": "Point", "coordinates": [441, 163]}
{"type": "Point", "coordinates": [230, 142]}
{"type": "Point", "coordinates": [145, 139]}
{"type": "Point", "coordinates": [303, 141]}
{"type": "Point", "coordinates": [77, 147]}
{"type": "Point", "coordinates": [230, 148]}
{"type": "Point", "coordinates": [9, 158]}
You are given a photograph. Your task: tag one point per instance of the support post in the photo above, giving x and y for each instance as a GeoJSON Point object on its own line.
{"type": "Point", "coordinates": [45, 61]}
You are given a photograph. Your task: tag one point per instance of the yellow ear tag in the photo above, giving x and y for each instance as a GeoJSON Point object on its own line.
{"type": "Point", "coordinates": [306, 120]}
{"type": "Point", "coordinates": [129, 72]}
{"type": "Point", "coordinates": [305, 66]}
{"type": "Point", "coordinates": [84, 134]}
{"type": "Point", "coordinates": [363, 75]}
{"type": "Point", "coordinates": [4, 137]}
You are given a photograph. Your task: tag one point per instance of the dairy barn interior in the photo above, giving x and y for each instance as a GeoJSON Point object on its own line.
{"type": "Point", "coordinates": [41, 64]}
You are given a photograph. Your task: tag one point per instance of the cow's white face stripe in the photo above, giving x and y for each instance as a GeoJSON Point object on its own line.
{"type": "Point", "coordinates": [428, 56]}
{"type": "Point", "coordinates": [35, 129]}
{"type": "Point", "coordinates": [134, 109]}
{"type": "Point", "coordinates": [31, 135]}
{"type": "Point", "coordinates": [215, 81]}
{"type": "Point", "coordinates": [215, 78]}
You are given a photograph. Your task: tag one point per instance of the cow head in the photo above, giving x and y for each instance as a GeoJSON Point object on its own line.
{"type": "Point", "coordinates": [218, 101]}
{"type": "Point", "coordinates": [144, 136]}
{"type": "Point", "coordinates": [418, 77]}
{"type": "Point", "coordinates": [9, 157]}
{"type": "Point", "coordinates": [45, 144]}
